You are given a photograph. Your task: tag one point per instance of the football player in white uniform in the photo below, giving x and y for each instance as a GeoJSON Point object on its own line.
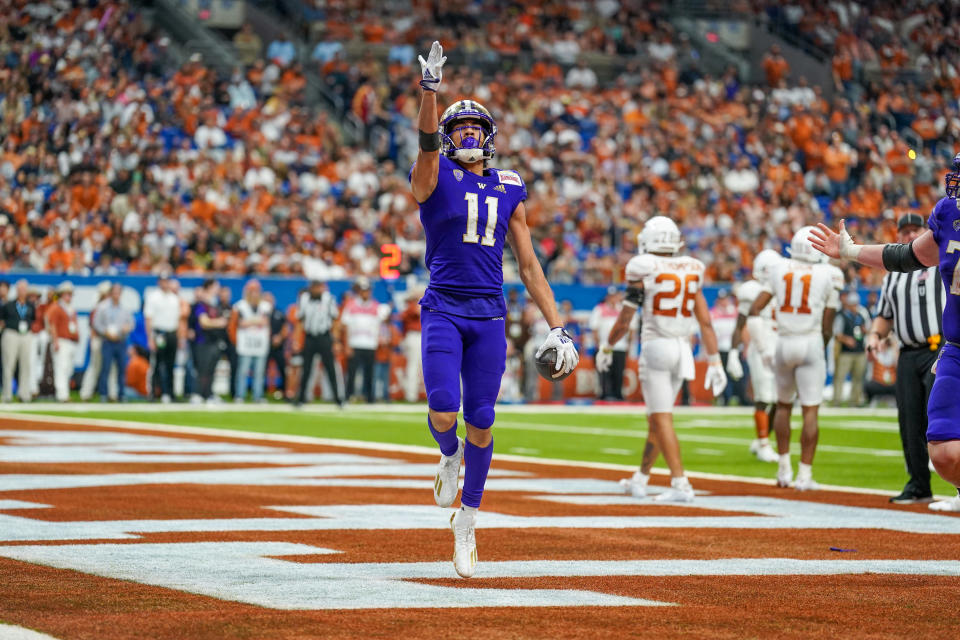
{"type": "Point", "coordinates": [807, 292]}
{"type": "Point", "coordinates": [668, 288]}
{"type": "Point", "coordinates": [762, 336]}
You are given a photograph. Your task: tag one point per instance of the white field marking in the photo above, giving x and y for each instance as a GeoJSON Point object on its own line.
{"type": "Point", "coordinates": [256, 573]}
{"type": "Point", "coordinates": [613, 451]}
{"type": "Point", "coordinates": [709, 452]}
{"type": "Point", "coordinates": [11, 632]}
{"type": "Point", "coordinates": [524, 451]}
{"type": "Point", "coordinates": [765, 513]}
{"type": "Point", "coordinates": [417, 408]}
{"type": "Point", "coordinates": [404, 448]}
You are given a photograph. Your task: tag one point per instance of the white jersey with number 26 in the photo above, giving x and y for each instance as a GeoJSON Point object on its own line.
{"type": "Point", "coordinates": [670, 286]}
{"type": "Point", "coordinates": [802, 291]}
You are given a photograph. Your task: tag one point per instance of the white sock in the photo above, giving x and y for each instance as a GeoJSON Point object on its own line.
{"type": "Point", "coordinates": [642, 477]}
{"type": "Point", "coordinates": [470, 511]}
{"type": "Point", "coordinates": [784, 460]}
{"type": "Point", "coordinates": [804, 470]}
{"type": "Point", "coordinates": [680, 482]}
{"type": "Point", "coordinates": [764, 442]}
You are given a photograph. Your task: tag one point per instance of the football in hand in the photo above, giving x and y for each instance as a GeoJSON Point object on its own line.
{"type": "Point", "coordinates": [547, 366]}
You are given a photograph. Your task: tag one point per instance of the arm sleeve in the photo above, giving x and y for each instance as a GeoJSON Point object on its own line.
{"type": "Point", "coordinates": [634, 297]}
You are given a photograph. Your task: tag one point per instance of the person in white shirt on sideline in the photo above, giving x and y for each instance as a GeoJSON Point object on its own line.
{"type": "Point", "coordinates": [92, 373]}
{"type": "Point", "coordinates": [361, 318]}
{"type": "Point", "coordinates": [161, 315]}
{"type": "Point", "coordinates": [253, 340]}
{"type": "Point", "coordinates": [602, 319]}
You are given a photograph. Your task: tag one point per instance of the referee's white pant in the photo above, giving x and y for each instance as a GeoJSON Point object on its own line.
{"type": "Point", "coordinates": [413, 380]}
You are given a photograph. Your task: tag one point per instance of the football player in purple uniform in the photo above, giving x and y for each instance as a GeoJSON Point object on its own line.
{"type": "Point", "coordinates": [939, 245]}
{"type": "Point", "coordinates": [468, 210]}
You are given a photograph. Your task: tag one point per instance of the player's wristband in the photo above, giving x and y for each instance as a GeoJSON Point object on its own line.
{"type": "Point", "coordinates": [429, 141]}
{"type": "Point", "coordinates": [713, 358]}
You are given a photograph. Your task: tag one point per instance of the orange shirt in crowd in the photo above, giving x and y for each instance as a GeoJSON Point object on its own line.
{"type": "Point", "coordinates": [776, 69]}
{"type": "Point", "coordinates": [63, 325]}
{"type": "Point", "coordinates": [836, 162]}
{"type": "Point", "coordinates": [136, 377]}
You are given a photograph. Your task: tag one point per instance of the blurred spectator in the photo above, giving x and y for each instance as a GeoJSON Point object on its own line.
{"type": "Point", "coordinates": [388, 339]}
{"type": "Point", "coordinates": [114, 324]}
{"type": "Point", "coordinates": [279, 332]}
{"type": "Point", "coordinates": [850, 330]}
{"type": "Point", "coordinates": [208, 322]}
{"type": "Point", "coordinates": [17, 343]}
{"type": "Point", "coordinates": [361, 319]}
{"type": "Point", "coordinates": [775, 66]}
{"type": "Point", "coordinates": [161, 315]}
{"type": "Point", "coordinates": [224, 340]}
{"type": "Point", "coordinates": [138, 367]}
{"type": "Point", "coordinates": [247, 44]}
{"type": "Point", "coordinates": [318, 314]}
{"type": "Point", "coordinates": [252, 340]}
{"type": "Point", "coordinates": [281, 52]}
{"type": "Point", "coordinates": [410, 323]}
{"type": "Point", "coordinates": [91, 375]}
{"type": "Point", "coordinates": [61, 321]}
{"type": "Point", "coordinates": [602, 319]}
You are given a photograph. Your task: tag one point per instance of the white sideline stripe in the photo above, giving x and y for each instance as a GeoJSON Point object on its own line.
{"type": "Point", "coordinates": [11, 632]}
{"type": "Point", "coordinates": [421, 408]}
{"type": "Point", "coordinates": [403, 448]}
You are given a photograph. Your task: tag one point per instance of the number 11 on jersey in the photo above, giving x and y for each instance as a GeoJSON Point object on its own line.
{"type": "Point", "coordinates": [473, 214]}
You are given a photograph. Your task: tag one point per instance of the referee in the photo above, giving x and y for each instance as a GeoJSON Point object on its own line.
{"type": "Point", "coordinates": [911, 305]}
{"type": "Point", "coordinates": [317, 312]}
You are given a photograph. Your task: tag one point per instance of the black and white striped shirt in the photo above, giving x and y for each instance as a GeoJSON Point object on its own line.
{"type": "Point", "coordinates": [914, 301]}
{"type": "Point", "coordinates": [317, 314]}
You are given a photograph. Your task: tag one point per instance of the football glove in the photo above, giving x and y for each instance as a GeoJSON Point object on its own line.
{"type": "Point", "coordinates": [716, 379]}
{"type": "Point", "coordinates": [432, 68]}
{"type": "Point", "coordinates": [567, 356]}
{"type": "Point", "coordinates": [734, 366]}
{"type": "Point", "coordinates": [604, 358]}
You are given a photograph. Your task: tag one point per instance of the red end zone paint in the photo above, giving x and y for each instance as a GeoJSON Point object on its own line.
{"type": "Point", "coordinates": [190, 535]}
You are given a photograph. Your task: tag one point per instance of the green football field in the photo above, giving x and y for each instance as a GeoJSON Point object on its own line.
{"type": "Point", "coordinates": [857, 449]}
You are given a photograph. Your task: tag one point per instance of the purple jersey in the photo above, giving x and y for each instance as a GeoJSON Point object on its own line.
{"type": "Point", "coordinates": [944, 222]}
{"type": "Point", "coordinates": [465, 221]}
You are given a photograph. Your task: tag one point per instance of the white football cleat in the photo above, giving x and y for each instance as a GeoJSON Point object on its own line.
{"type": "Point", "coordinates": [447, 482]}
{"type": "Point", "coordinates": [953, 504]}
{"type": "Point", "coordinates": [766, 454]}
{"type": "Point", "coordinates": [463, 523]}
{"type": "Point", "coordinates": [679, 491]}
{"type": "Point", "coordinates": [806, 484]}
{"type": "Point", "coordinates": [635, 485]}
{"type": "Point", "coordinates": [755, 446]}
{"type": "Point", "coordinates": [784, 477]}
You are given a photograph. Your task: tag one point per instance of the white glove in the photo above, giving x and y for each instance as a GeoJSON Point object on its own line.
{"type": "Point", "coordinates": [567, 356]}
{"type": "Point", "coordinates": [432, 68]}
{"type": "Point", "coordinates": [604, 358]}
{"type": "Point", "coordinates": [716, 379]}
{"type": "Point", "coordinates": [734, 366]}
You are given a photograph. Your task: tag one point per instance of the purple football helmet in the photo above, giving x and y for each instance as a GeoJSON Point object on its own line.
{"type": "Point", "coordinates": [471, 149]}
{"type": "Point", "coordinates": [952, 179]}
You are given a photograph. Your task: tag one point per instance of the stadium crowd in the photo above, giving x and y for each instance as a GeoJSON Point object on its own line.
{"type": "Point", "coordinates": [114, 161]}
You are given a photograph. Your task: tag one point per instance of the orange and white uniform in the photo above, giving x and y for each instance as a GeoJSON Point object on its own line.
{"type": "Point", "coordinates": [670, 285]}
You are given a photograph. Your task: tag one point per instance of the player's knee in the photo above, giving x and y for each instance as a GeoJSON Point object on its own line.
{"type": "Point", "coordinates": [946, 460]}
{"type": "Point", "coordinates": [480, 417]}
{"type": "Point", "coordinates": [442, 401]}
{"type": "Point", "coordinates": [479, 437]}
{"type": "Point", "coordinates": [442, 420]}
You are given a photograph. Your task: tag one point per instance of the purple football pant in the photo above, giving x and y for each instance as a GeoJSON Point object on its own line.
{"type": "Point", "coordinates": [474, 350]}
{"type": "Point", "coordinates": [943, 407]}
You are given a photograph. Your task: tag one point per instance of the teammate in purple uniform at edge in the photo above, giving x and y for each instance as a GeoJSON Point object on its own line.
{"type": "Point", "coordinates": [938, 245]}
{"type": "Point", "coordinates": [467, 211]}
